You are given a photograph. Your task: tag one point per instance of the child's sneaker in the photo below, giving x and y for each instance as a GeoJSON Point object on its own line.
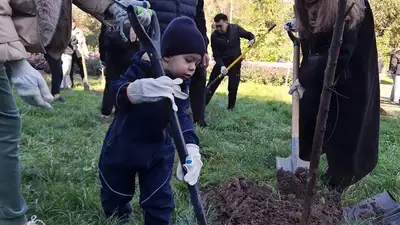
{"type": "Point", "coordinates": [35, 221]}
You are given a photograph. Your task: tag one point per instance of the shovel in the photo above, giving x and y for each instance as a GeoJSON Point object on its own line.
{"type": "Point", "coordinates": [293, 162]}
{"type": "Point", "coordinates": [221, 76]}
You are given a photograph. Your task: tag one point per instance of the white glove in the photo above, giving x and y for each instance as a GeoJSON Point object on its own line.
{"type": "Point", "coordinates": [251, 42]}
{"type": "Point", "coordinates": [29, 84]}
{"type": "Point", "coordinates": [153, 90]}
{"type": "Point", "coordinates": [193, 165]}
{"type": "Point", "coordinates": [224, 71]}
{"type": "Point", "coordinates": [297, 86]}
{"type": "Point", "coordinates": [291, 25]}
{"type": "Point", "coordinates": [102, 65]}
{"type": "Point", "coordinates": [122, 18]}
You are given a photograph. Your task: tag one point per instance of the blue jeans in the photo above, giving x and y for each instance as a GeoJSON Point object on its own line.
{"type": "Point", "coordinates": [12, 205]}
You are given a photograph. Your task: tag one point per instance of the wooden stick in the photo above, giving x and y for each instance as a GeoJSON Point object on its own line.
{"type": "Point", "coordinates": [323, 110]}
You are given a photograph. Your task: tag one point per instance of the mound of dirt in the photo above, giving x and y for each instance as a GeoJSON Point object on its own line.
{"type": "Point", "coordinates": [240, 201]}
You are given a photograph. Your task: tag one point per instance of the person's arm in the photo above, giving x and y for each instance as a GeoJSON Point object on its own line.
{"type": "Point", "coordinates": [245, 34]}
{"type": "Point", "coordinates": [393, 64]}
{"type": "Point", "coordinates": [216, 54]}
{"type": "Point", "coordinates": [185, 121]}
{"type": "Point", "coordinates": [102, 45]}
{"type": "Point", "coordinates": [95, 8]}
{"type": "Point", "coordinates": [200, 20]}
{"type": "Point", "coordinates": [81, 42]}
{"type": "Point", "coordinates": [119, 90]}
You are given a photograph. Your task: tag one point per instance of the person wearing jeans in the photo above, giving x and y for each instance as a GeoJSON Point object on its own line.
{"type": "Point", "coordinates": [37, 33]}
{"type": "Point", "coordinates": [12, 205]}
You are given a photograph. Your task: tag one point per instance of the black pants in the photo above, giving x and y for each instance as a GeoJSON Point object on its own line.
{"type": "Point", "coordinates": [56, 73]}
{"type": "Point", "coordinates": [116, 66]}
{"type": "Point", "coordinates": [197, 94]}
{"type": "Point", "coordinates": [233, 84]}
{"type": "Point", "coordinates": [78, 61]}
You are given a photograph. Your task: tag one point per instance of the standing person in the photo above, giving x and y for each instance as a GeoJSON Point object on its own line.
{"type": "Point", "coordinates": [225, 44]}
{"type": "Point", "coordinates": [394, 72]}
{"type": "Point", "coordinates": [23, 30]}
{"type": "Point", "coordinates": [137, 141]}
{"type": "Point", "coordinates": [115, 55]}
{"type": "Point", "coordinates": [74, 52]}
{"type": "Point", "coordinates": [166, 11]}
{"type": "Point", "coordinates": [352, 132]}
{"type": "Point", "coordinates": [80, 50]}
{"type": "Point", "coordinates": [66, 66]}
{"type": "Point", "coordinates": [55, 65]}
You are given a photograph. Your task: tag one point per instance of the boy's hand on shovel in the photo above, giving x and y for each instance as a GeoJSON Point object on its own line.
{"type": "Point", "coordinates": [193, 165]}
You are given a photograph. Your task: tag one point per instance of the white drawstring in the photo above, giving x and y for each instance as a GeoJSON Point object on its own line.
{"type": "Point", "coordinates": [35, 221]}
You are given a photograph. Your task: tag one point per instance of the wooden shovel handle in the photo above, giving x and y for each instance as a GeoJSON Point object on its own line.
{"type": "Point", "coordinates": [295, 96]}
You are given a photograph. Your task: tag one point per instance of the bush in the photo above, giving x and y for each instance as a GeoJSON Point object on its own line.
{"type": "Point", "coordinates": [265, 75]}
{"type": "Point", "coordinates": [251, 71]}
{"type": "Point", "coordinates": [262, 73]}
{"type": "Point", "coordinates": [93, 64]}
{"type": "Point", "coordinates": [38, 62]}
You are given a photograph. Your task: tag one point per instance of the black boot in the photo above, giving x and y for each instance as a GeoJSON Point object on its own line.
{"type": "Point", "coordinates": [231, 101]}
{"type": "Point", "coordinates": [209, 95]}
{"type": "Point", "coordinates": [201, 123]}
{"type": "Point", "coordinates": [337, 182]}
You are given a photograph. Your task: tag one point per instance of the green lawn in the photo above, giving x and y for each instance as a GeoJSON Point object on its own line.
{"type": "Point", "coordinates": [60, 149]}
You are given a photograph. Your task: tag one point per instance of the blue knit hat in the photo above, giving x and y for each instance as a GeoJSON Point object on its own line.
{"type": "Point", "coordinates": [182, 37]}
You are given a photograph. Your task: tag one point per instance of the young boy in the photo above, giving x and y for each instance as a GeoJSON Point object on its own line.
{"type": "Point", "coordinates": [137, 141]}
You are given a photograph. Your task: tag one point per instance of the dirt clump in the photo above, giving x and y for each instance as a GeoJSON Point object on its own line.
{"type": "Point", "coordinates": [240, 201]}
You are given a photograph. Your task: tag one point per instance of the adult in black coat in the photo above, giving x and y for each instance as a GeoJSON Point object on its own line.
{"type": "Point", "coordinates": [225, 44]}
{"type": "Point", "coordinates": [118, 56]}
{"type": "Point", "coordinates": [352, 133]}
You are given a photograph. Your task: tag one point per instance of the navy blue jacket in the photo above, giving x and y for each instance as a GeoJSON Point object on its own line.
{"type": "Point", "coordinates": [142, 127]}
{"type": "Point", "coordinates": [167, 10]}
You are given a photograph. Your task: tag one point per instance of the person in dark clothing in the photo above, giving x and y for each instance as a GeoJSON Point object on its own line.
{"type": "Point", "coordinates": [78, 61]}
{"type": "Point", "coordinates": [137, 141]}
{"type": "Point", "coordinates": [166, 11]}
{"type": "Point", "coordinates": [352, 132]}
{"type": "Point", "coordinates": [116, 55]}
{"type": "Point", "coordinates": [56, 76]}
{"type": "Point", "coordinates": [78, 42]}
{"type": "Point", "coordinates": [394, 72]}
{"type": "Point", "coordinates": [225, 43]}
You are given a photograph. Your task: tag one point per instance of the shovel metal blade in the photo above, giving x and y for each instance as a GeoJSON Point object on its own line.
{"type": "Point", "coordinates": [291, 163]}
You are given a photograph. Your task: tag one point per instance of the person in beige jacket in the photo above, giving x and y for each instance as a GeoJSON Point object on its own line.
{"type": "Point", "coordinates": [36, 26]}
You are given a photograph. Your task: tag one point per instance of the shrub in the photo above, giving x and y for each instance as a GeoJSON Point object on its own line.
{"type": "Point", "coordinates": [264, 73]}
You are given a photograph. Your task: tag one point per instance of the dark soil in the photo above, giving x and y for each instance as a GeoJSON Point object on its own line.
{"type": "Point", "coordinates": [240, 201]}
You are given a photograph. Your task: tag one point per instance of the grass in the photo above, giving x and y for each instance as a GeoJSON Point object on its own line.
{"type": "Point", "coordinates": [386, 80]}
{"type": "Point", "coordinates": [60, 149]}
